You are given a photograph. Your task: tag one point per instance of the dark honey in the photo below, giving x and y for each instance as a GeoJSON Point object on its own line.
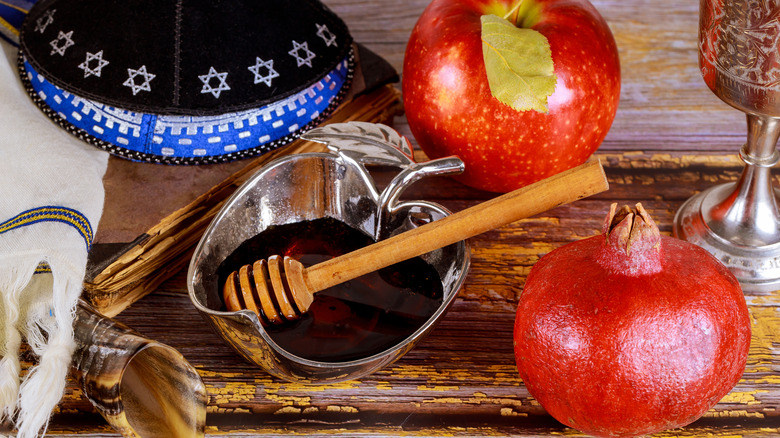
{"type": "Point", "coordinates": [353, 320]}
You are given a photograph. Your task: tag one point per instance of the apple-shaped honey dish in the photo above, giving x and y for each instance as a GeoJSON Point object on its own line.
{"type": "Point", "coordinates": [313, 207]}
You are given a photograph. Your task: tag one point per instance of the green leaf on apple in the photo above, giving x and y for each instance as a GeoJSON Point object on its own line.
{"type": "Point", "coordinates": [519, 64]}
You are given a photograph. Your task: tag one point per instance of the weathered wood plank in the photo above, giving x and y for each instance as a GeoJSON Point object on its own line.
{"type": "Point", "coordinates": [462, 379]}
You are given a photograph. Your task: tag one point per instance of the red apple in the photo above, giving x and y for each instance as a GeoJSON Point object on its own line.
{"type": "Point", "coordinates": [451, 110]}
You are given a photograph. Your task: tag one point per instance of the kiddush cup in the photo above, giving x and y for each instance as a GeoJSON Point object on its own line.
{"type": "Point", "coordinates": [739, 222]}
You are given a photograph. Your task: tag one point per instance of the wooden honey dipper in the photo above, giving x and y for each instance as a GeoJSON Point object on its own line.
{"type": "Point", "coordinates": [284, 288]}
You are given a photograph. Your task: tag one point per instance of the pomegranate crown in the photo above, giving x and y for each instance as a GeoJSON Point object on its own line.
{"type": "Point", "coordinates": [631, 231]}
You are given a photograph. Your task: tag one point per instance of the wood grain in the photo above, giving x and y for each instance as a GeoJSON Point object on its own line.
{"type": "Point", "coordinates": [671, 138]}
{"type": "Point", "coordinates": [461, 380]}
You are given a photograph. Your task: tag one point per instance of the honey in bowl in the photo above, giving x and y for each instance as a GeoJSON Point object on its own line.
{"type": "Point", "coordinates": [353, 320]}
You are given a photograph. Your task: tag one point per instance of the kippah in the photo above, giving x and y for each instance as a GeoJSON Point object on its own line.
{"type": "Point", "coordinates": [185, 81]}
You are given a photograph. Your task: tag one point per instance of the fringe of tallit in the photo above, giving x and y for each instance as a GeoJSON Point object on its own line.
{"type": "Point", "coordinates": [39, 308]}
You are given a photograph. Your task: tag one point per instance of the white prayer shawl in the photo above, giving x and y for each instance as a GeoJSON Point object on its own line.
{"type": "Point", "coordinates": [51, 201]}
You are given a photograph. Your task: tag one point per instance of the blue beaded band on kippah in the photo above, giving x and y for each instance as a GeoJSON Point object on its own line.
{"type": "Point", "coordinates": [175, 139]}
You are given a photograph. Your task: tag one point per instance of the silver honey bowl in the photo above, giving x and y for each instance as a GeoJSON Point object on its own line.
{"type": "Point", "coordinates": [334, 184]}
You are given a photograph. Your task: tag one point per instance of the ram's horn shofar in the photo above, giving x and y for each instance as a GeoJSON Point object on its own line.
{"type": "Point", "coordinates": [141, 387]}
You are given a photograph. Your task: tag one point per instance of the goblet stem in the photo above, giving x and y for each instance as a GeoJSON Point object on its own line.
{"type": "Point", "coordinates": [739, 222]}
{"type": "Point", "coordinates": [763, 132]}
{"type": "Point", "coordinates": [748, 215]}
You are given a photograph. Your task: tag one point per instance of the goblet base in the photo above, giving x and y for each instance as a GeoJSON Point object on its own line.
{"type": "Point", "coordinates": [755, 265]}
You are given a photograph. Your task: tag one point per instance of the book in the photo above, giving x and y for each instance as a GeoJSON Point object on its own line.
{"type": "Point", "coordinates": [154, 215]}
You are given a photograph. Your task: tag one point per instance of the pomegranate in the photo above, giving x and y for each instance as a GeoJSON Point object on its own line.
{"type": "Point", "coordinates": [630, 332]}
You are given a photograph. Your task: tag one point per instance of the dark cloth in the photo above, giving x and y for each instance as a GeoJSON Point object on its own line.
{"type": "Point", "coordinates": [189, 57]}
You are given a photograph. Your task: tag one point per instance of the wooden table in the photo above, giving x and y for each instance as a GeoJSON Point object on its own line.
{"type": "Point", "coordinates": [671, 139]}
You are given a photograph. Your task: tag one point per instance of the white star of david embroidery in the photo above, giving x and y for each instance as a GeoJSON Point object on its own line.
{"type": "Point", "coordinates": [44, 21]}
{"type": "Point", "coordinates": [96, 70]}
{"type": "Point", "coordinates": [295, 53]}
{"type": "Point", "coordinates": [326, 35]}
{"type": "Point", "coordinates": [61, 43]}
{"type": "Point", "coordinates": [130, 82]}
{"type": "Point", "coordinates": [206, 79]}
{"type": "Point", "coordinates": [259, 63]}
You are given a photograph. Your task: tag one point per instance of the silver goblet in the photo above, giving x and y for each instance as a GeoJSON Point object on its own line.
{"type": "Point", "coordinates": [739, 57]}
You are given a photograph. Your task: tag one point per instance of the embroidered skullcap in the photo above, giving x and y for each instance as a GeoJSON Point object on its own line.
{"type": "Point", "coordinates": [186, 81]}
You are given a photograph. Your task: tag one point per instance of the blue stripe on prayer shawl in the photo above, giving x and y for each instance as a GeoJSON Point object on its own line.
{"type": "Point", "coordinates": [64, 215]}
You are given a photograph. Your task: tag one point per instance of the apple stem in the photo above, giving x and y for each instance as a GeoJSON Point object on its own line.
{"type": "Point", "coordinates": [513, 11]}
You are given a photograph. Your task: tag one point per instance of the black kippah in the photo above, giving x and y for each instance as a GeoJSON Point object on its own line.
{"type": "Point", "coordinates": [186, 81]}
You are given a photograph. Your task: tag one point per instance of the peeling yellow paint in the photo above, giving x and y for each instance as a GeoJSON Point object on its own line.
{"type": "Point", "coordinates": [437, 388]}
{"type": "Point", "coordinates": [433, 376]}
{"type": "Point", "coordinates": [288, 400]}
{"type": "Point", "coordinates": [211, 409]}
{"type": "Point", "coordinates": [209, 373]}
{"type": "Point", "coordinates": [299, 387]}
{"type": "Point", "coordinates": [733, 414]}
{"type": "Point", "coordinates": [384, 386]}
{"type": "Point", "coordinates": [509, 412]}
{"type": "Point", "coordinates": [233, 392]}
{"type": "Point", "coordinates": [771, 380]}
{"type": "Point", "coordinates": [448, 400]}
{"type": "Point", "coordinates": [288, 410]}
{"type": "Point", "coordinates": [506, 368]}
{"type": "Point", "coordinates": [713, 435]}
{"type": "Point", "coordinates": [477, 400]}
{"type": "Point", "coordinates": [349, 409]}
{"type": "Point", "coordinates": [765, 327]}
{"type": "Point", "coordinates": [743, 397]}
